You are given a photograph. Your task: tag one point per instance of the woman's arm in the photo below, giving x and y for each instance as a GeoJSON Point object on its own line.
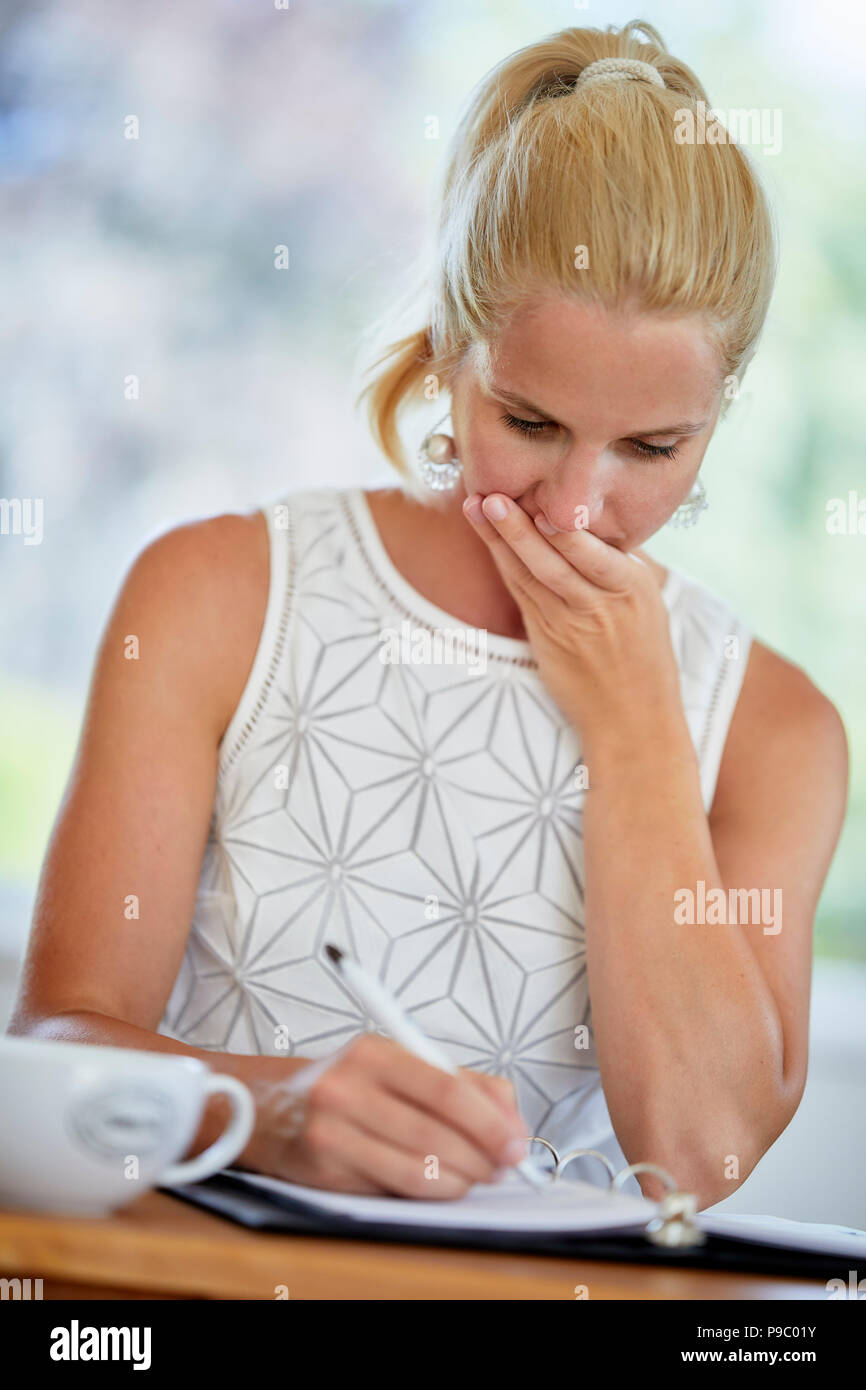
{"type": "Point", "coordinates": [173, 659]}
{"type": "Point", "coordinates": [120, 880]}
{"type": "Point", "coordinates": [702, 1030]}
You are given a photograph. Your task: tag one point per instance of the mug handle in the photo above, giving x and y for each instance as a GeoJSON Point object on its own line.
{"type": "Point", "coordinates": [225, 1149]}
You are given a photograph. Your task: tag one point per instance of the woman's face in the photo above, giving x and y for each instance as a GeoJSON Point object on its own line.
{"type": "Point", "coordinates": [603, 394]}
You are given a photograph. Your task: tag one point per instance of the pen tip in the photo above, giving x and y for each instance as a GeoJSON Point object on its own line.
{"type": "Point", "coordinates": [335, 955]}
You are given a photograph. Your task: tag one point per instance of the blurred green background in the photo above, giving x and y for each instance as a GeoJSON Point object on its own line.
{"type": "Point", "coordinates": [308, 127]}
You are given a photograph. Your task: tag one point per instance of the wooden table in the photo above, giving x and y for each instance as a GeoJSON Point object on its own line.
{"type": "Point", "coordinates": [160, 1247]}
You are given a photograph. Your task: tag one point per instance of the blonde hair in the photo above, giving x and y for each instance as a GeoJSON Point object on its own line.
{"type": "Point", "coordinates": [539, 167]}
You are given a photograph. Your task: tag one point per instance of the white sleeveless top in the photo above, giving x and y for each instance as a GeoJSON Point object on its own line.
{"type": "Point", "coordinates": [422, 815]}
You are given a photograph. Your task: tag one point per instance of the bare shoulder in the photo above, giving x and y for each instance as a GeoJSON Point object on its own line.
{"type": "Point", "coordinates": [198, 593]}
{"type": "Point", "coordinates": [786, 746]}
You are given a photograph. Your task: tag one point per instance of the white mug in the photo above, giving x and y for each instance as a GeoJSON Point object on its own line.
{"type": "Point", "coordinates": [85, 1129]}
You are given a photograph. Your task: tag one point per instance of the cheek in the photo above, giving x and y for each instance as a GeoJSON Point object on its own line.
{"type": "Point", "coordinates": [651, 488]}
{"type": "Point", "coordinates": [645, 498]}
{"type": "Point", "coordinates": [496, 459]}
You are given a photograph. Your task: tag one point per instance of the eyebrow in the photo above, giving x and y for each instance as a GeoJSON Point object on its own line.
{"type": "Point", "coordinates": [683, 427]}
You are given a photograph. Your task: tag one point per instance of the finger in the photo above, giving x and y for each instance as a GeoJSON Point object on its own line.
{"type": "Point", "coordinates": [375, 1161]}
{"type": "Point", "coordinates": [447, 1096]}
{"type": "Point", "coordinates": [499, 1088]}
{"type": "Point", "coordinates": [512, 569]}
{"type": "Point", "coordinates": [596, 560]}
{"type": "Point", "coordinates": [417, 1131]}
{"type": "Point", "coordinates": [516, 531]}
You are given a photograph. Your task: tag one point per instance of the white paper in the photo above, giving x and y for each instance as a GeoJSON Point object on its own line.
{"type": "Point", "coordinates": [787, 1235]}
{"type": "Point", "coordinates": [510, 1205]}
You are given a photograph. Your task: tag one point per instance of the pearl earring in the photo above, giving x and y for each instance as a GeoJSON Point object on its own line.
{"type": "Point", "coordinates": [688, 512]}
{"type": "Point", "coordinates": [440, 467]}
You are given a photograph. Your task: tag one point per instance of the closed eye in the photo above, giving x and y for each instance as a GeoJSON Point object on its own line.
{"type": "Point", "coordinates": [514, 422]}
{"type": "Point", "coordinates": [668, 451]}
{"type": "Point", "coordinates": [531, 427]}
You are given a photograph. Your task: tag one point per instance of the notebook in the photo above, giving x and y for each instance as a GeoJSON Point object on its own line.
{"type": "Point", "coordinates": [570, 1217]}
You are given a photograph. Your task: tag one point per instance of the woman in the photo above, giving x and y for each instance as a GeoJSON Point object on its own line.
{"type": "Point", "coordinates": [607, 800]}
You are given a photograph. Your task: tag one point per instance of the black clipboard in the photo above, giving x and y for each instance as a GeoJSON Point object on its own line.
{"type": "Point", "coordinates": [262, 1210]}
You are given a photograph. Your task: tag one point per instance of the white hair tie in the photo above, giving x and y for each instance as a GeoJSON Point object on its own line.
{"type": "Point", "coordinates": [619, 67]}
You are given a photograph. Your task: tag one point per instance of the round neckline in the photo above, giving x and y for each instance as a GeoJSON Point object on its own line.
{"type": "Point", "coordinates": [430, 614]}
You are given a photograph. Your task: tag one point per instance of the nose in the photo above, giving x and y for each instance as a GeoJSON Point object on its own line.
{"type": "Point", "coordinates": [575, 495]}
